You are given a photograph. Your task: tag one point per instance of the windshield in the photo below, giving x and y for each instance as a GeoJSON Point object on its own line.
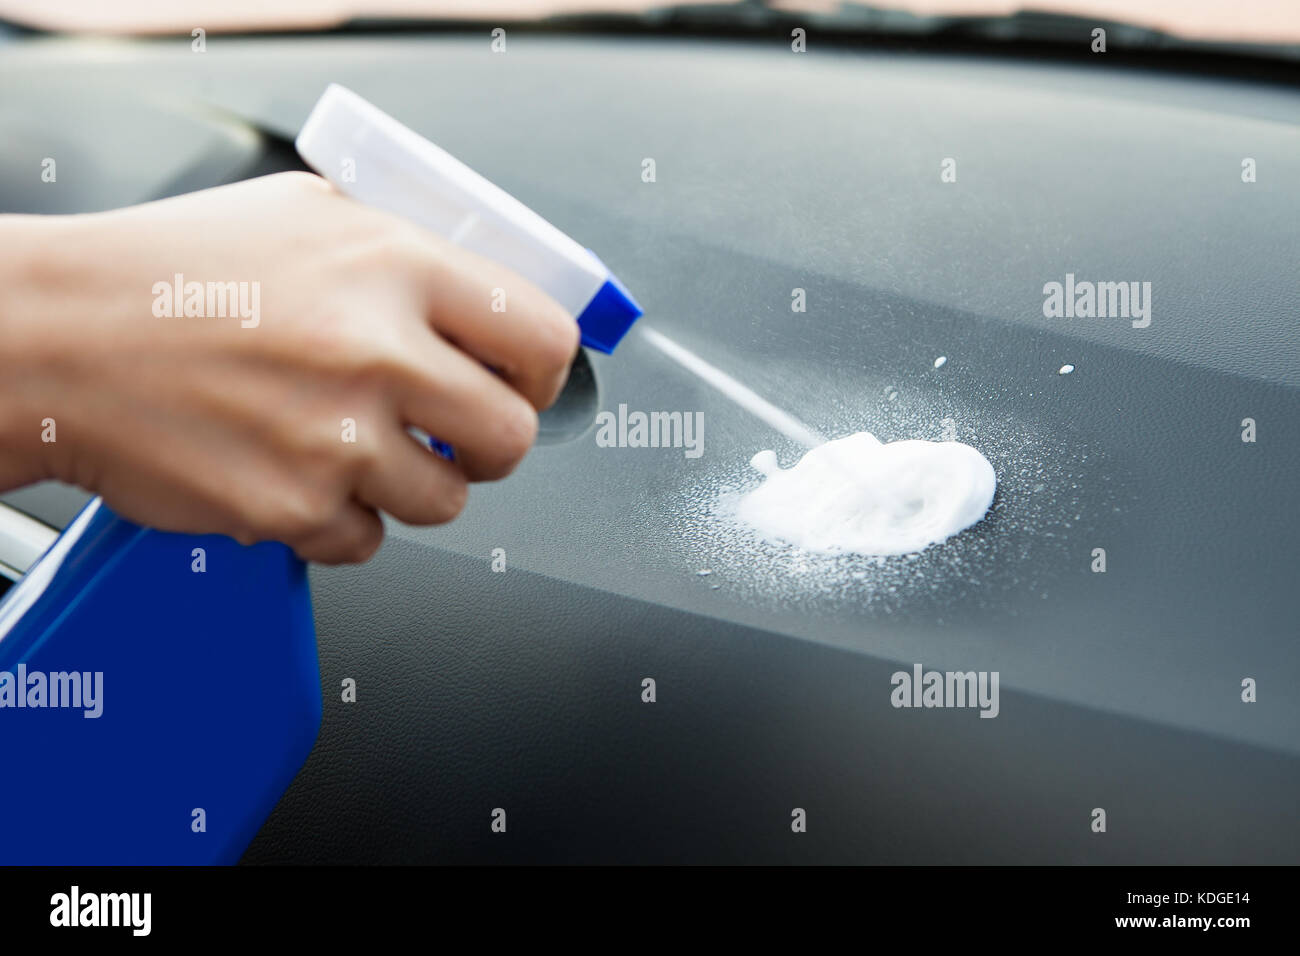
{"type": "Point", "coordinates": [1241, 21]}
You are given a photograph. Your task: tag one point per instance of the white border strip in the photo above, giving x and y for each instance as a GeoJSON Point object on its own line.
{"type": "Point", "coordinates": [22, 539]}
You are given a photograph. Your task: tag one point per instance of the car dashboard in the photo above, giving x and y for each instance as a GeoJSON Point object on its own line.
{"type": "Point", "coordinates": [920, 202]}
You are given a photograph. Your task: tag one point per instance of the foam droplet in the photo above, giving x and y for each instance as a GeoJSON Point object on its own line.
{"type": "Point", "coordinates": [1066, 370]}
{"type": "Point", "coordinates": [938, 363]}
{"type": "Point", "coordinates": [765, 462]}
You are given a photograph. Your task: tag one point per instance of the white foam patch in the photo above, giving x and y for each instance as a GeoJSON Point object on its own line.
{"type": "Point", "coordinates": [857, 495]}
{"type": "Point", "coordinates": [1057, 489]}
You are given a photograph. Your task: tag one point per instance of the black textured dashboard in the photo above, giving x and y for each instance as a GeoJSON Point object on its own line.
{"type": "Point", "coordinates": [822, 172]}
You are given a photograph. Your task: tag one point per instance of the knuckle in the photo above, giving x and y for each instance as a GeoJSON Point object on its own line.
{"type": "Point", "coordinates": [562, 339]}
{"type": "Point", "coordinates": [555, 335]}
{"type": "Point", "coordinates": [377, 250]}
{"type": "Point", "coordinates": [517, 431]}
{"type": "Point", "coordinates": [343, 345]}
{"type": "Point", "coordinates": [366, 457]}
{"type": "Point", "coordinates": [450, 500]}
{"type": "Point", "coordinates": [508, 434]}
{"type": "Point", "coordinates": [332, 447]}
{"type": "Point", "coordinates": [384, 363]}
{"type": "Point", "coordinates": [297, 515]}
{"type": "Point", "coordinates": [367, 543]}
{"type": "Point", "coordinates": [557, 338]}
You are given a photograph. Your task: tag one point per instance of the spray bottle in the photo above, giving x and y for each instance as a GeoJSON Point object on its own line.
{"type": "Point", "coordinates": [160, 691]}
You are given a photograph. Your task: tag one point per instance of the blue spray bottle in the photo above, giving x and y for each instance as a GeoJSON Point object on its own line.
{"type": "Point", "coordinates": [159, 691]}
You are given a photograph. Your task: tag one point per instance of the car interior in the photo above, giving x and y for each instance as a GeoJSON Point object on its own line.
{"type": "Point", "coordinates": [920, 191]}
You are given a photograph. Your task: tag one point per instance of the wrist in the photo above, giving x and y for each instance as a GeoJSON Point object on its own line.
{"type": "Point", "coordinates": [31, 273]}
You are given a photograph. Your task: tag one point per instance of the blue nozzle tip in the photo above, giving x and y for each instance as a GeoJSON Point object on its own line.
{"type": "Point", "coordinates": [608, 316]}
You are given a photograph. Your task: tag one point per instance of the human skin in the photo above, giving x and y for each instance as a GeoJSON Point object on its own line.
{"type": "Point", "coordinates": [206, 425]}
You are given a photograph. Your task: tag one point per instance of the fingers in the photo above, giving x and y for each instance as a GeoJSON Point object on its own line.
{"type": "Point", "coordinates": [353, 536]}
{"type": "Point", "coordinates": [453, 397]}
{"type": "Point", "coordinates": [498, 317]}
{"type": "Point", "coordinates": [411, 484]}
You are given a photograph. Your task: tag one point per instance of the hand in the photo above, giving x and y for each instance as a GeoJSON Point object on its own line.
{"type": "Point", "coordinates": [240, 424]}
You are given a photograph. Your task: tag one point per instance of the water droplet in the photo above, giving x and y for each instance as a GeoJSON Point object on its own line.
{"type": "Point", "coordinates": [703, 572]}
{"type": "Point", "coordinates": [938, 363]}
{"type": "Point", "coordinates": [1066, 369]}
